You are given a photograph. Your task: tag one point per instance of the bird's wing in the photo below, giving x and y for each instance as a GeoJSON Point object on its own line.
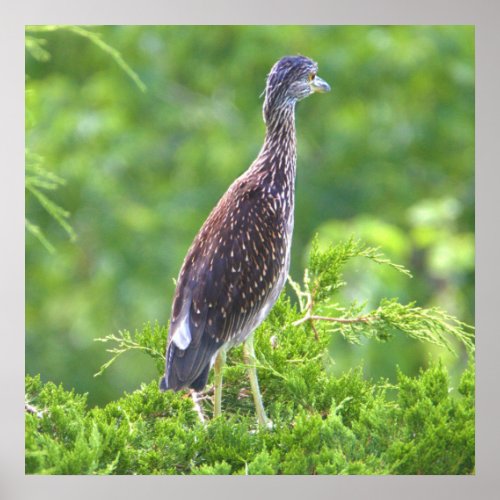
{"type": "Point", "coordinates": [226, 279]}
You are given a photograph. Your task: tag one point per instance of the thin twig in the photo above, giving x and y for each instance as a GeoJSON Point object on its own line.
{"type": "Point", "coordinates": [310, 306]}
{"type": "Point", "coordinates": [359, 319]}
{"type": "Point", "coordinates": [314, 317]}
{"type": "Point", "coordinates": [196, 402]}
{"type": "Point", "coordinates": [316, 334]}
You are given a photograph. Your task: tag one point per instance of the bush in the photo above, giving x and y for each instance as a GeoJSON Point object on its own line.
{"type": "Point", "coordinates": [322, 423]}
{"type": "Point", "coordinates": [419, 426]}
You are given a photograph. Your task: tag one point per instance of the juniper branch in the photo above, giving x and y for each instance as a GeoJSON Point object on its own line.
{"type": "Point", "coordinates": [149, 340]}
{"type": "Point", "coordinates": [432, 325]}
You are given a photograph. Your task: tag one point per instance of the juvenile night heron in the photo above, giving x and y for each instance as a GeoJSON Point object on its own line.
{"type": "Point", "coordinates": [238, 263]}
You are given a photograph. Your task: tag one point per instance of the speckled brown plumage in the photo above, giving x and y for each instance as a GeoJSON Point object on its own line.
{"type": "Point", "coordinates": [238, 263]}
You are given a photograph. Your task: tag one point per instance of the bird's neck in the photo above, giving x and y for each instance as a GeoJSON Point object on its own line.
{"type": "Point", "coordinates": [280, 124]}
{"type": "Point", "coordinates": [278, 154]}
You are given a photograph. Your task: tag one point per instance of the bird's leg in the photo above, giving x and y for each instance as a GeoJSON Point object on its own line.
{"type": "Point", "coordinates": [219, 363]}
{"type": "Point", "coordinates": [249, 359]}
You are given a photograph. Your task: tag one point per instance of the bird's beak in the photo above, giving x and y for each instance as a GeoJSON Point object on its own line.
{"type": "Point", "coordinates": [319, 85]}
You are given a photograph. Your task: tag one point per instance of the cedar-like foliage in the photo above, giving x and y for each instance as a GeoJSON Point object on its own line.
{"type": "Point", "coordinates": [322, 423]}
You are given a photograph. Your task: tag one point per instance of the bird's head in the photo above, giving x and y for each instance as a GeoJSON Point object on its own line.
{"type": "Point", "coordinates": [291, 79]}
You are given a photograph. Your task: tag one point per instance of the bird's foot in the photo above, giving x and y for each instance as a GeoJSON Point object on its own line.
{"type": "Point", "coordinates": [268, 425]}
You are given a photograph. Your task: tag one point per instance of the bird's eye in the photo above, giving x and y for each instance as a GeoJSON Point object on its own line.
{"type": "Point", "coordinates": [312, 76]}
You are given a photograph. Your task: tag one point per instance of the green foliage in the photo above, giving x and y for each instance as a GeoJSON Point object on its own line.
{"type": "Point", "coordinates": [322, 423]}
{"type": "Point", "coordinates": [37, 180]}
{"type": "Point", "coordinates": [150, 340]}
{"type": "Point", "coordinates": [426, 407]}
{"type": "Point", "coordinates": [37, 177]}
{"type": "Point", "coordinates": [35, 46]}
{"type": "Point", "coordinates": [423, 427]}
{"type": "Point", "coordinates": [324, 276]}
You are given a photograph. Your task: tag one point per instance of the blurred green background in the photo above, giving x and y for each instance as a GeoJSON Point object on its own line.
{"type": "Point", "coordinates": [387, 156]}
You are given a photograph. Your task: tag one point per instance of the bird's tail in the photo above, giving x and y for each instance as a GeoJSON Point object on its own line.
{"type": "Point", "coordinates": [168, 381]}
{"type": "Point", "coordinates": [163, 384]}
{"type": "Point", "coordinates": [186, 368]}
